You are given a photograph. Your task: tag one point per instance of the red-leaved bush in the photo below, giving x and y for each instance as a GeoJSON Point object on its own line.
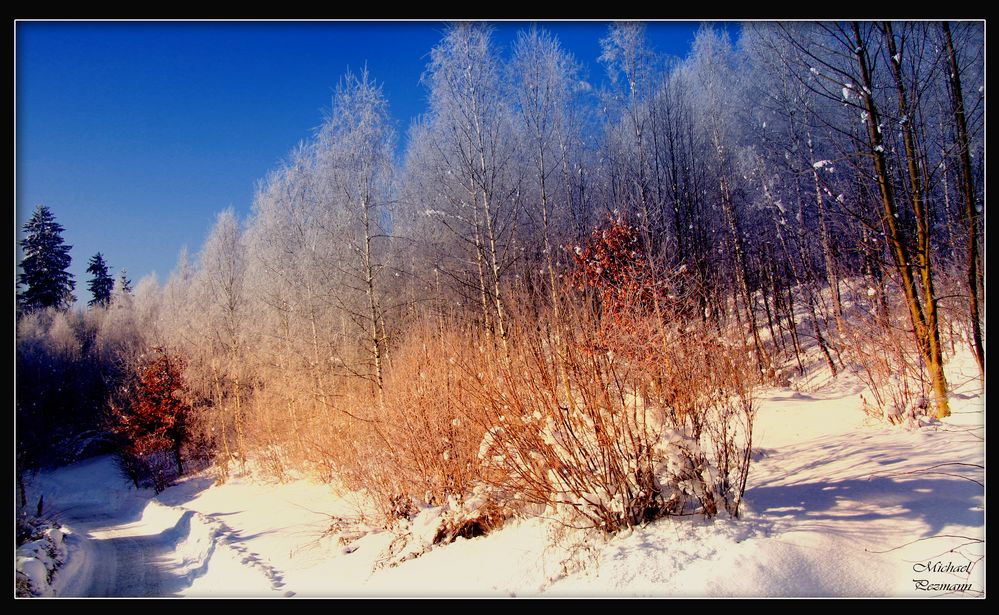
{"type": "Point", "coordinates": [614, 264]}
{"type": "Point", "coordinates": [154, 419]}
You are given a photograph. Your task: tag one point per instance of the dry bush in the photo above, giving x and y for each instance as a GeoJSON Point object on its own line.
{"type": "Point", "coordinates": [613, 438]}
{"type": "Point", "coordinates": [420, 447]}
{"type": "Point", "coordinates": [607, 407]}
{"type": "Point", "coordinates": [882, 352]}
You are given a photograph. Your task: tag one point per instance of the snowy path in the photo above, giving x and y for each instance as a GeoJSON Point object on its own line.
{"type": "Point", "coordinates": [127, 543]}
{"type": "Point", "coordinates": [111, 552]}
{"type": "Point", "coordinates": [120, 562]}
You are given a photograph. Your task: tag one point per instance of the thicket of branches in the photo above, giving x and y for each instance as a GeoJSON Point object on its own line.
{"type": "Point", "coordinates": [562, 298]}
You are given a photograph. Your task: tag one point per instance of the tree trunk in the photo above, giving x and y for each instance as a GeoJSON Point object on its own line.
{"type": "Point", "coordinates": [968, 192]}
{"type": "Point", "coordinates": [177, 459]}
{"type": "Point", "coordinates": [832, 276]}
{"type": "Point", "coordinates": [927, 339]}
{"type": "Point", "coordinates": [931, 335]}
{"type": "Point", "coordinates": [808, 277]}
{"type": "Point", "coordinates": [369, 288]}
{"type": "Point", "coordinates": [22, 491]}
{"type": "Point", "coordinates": [740, 272]}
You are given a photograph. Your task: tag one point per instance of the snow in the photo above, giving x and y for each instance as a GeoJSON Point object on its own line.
{"type": "Point", "coordinates": [35, 570]}
{"type": "Point", "coordinates": [837, 505]}
{"type": "Point", "coordinates": [39, 560]}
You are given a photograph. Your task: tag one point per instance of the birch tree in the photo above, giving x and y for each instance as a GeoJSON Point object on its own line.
{"type": "Point", "coordinates": [354, 153]}
{"type": "Point", "coordinates": [469, 129]}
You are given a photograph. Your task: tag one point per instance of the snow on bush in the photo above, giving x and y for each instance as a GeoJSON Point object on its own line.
{"type": "Point", "coordinates": [898, 384]}
{"type": "Point", "coordinates": [610, 407]}
{"type": "Point", "coordinates": [608, 446]}
{"type": "Point", "coordinates": [37, 561]}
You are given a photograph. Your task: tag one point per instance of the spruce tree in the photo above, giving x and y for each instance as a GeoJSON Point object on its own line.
{"type": "Point", "coordinates": [45, 280]}
{"type": "Point", "coordinates": [101, 285]}
{"type": "Point", "coordinates": [124, 282]}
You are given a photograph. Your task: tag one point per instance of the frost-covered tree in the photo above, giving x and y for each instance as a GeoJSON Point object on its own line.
{"type": "Point", "coordinates": [219, 284]}
{"type": "Point", "coordinates": [969, 196]}
{"type": "Point", "coordinates": [713, 72]}
{"type": "Point", "coordinates": [546, 85]}
{"type": "Point", "coordinates": [45, 278]}
{"type": "Point", "coordinates": [471, 171]}
{"type": "Point", "coordinates": [354, 150]}
{"type": "Point", "coordinates": [634, 72]}
{"type": "Point", "coordinates": [101, 284]}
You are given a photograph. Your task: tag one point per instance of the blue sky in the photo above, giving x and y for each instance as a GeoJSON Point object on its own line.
{"type": "Point", "coordinates": [136, 134]}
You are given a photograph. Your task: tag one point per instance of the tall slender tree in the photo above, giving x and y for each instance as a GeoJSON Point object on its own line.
{"type": "Point", "coordinates": [45, 275]}
{"type": "Point", "coordinates": [101, 285]}
{"type": "Point", "coordinates": [470, 129]}
{"type": "Point", "coordinates": [354, 154]}
{"type": "Point", "coordinates": [968, 193]}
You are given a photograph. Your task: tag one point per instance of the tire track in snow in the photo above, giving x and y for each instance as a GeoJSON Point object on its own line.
{"type": "Point", "coordinates": [118, 558]}
{"type": "Point", "coordinates": [115, 561]}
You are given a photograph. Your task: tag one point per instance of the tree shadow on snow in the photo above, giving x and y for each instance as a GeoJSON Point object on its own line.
{"type": "Point", "coordinates": [935, 502]}
{"type": "Point", "coordinates": [184, 491]}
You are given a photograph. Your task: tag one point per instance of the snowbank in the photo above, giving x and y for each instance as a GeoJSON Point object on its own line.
{"type": "Point", "coordinates": [37, 562]}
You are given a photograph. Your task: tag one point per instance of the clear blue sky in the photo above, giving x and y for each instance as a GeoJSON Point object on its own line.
{"type": "Point", "coordinates": [136, 134]}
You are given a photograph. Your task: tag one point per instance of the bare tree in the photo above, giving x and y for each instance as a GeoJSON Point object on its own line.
{"type": "Point", "coordinates": [968, 193]}
{"type": "Point", "coordinates": [712, 71]}
{"type": "Point", "coordinates": [469, 130]}
{"type": "Point", "coordinates": [354, 156]}
{"type": "Point", "coordinates": [221, 281]}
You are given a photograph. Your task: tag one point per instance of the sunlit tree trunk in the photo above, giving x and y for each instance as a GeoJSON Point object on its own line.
{"type": "Point", "coordinates": [924, 326]}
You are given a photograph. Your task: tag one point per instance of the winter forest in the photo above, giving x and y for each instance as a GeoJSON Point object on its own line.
{"type": "Point", "coordinates": [546, 299]}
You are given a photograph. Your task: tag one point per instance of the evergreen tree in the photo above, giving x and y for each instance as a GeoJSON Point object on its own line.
{"type": "Point", "coordinates": [124, 282]}
{"type": "Point", "coordinates": [45, 277]}
{"type": "Point", "coordinates": [101, 285]}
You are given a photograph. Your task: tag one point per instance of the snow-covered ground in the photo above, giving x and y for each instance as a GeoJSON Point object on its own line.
{"type": "Point", "coordinates": [837, 505]}
{"type": "Point", "coordinates": [37, 561]}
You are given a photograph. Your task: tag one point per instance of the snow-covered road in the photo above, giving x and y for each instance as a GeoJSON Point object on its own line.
{"type": "Point", "coordinates": [122, 559]}
{"type": "Point", "coordinates": [111, 554]}
{"type": "Point", "coordinates": [128, 542]}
